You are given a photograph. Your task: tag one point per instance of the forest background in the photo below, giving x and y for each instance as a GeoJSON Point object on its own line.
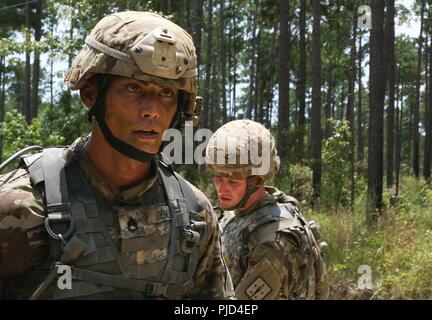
{"type": "Point", "coordinates": [349, 104]}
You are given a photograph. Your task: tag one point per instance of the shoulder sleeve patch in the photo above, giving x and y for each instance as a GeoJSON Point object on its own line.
{"type": "Point", "coordinates": [261, 282]}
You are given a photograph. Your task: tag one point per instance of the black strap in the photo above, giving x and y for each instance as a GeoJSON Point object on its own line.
{"type": "Point", "coordinates": [121, 146]}
{"type": "Point", "coordinates": [152, 288]}
{"type": "Point", "coordinates": [184, 246]}
{"type": "Point", "coordinates": [56, 193]}
{"type": "Point", "coordinates": [267, 216]}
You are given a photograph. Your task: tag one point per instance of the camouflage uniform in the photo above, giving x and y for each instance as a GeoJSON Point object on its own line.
{"type": "Point", "coordinates": [129, 239]}
{"type": "Point", "coordinates": [269, 249]}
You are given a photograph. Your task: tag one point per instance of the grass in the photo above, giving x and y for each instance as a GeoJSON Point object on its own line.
{"type": "Point", "coordinates": [397, 249]}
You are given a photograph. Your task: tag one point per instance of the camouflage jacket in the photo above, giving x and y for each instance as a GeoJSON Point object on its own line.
{"type": "Point", "coordinates": [24, 241]}
{"type": "Point", "coordinates": [275, 268]}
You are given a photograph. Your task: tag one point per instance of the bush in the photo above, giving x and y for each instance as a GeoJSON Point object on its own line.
{"type": "Point", "coordinates": [17, 134]}
{"type": "Point", "coordinates": [295, 180]}
{"type": "Point", "coordinates": [336, 184]}
{"type": "Point", "coordinates": [68, 118]}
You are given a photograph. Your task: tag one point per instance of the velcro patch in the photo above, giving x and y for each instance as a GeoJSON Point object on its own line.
{"type": "Point", "coordinates": [258, 289]}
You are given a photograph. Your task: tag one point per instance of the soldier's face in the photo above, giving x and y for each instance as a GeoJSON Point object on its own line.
{"type": "Point", "coordinates": [230, 191]}
{"type": "Point", "coordinates": [139, 112]}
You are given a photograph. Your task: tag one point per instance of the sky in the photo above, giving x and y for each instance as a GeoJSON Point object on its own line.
{"type": "Point", "coordinates": [412, 28]}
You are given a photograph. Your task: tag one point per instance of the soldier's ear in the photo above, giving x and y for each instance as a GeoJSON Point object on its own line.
{"type": "Point", "coordinates": [258, 181]}
{"type": "Point", "coordinates": [88, 94]}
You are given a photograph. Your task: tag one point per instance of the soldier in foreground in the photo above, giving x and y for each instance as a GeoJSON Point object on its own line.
{"type": "Point", "coordinates": [271, 251]}
{"type": "Point", "coordinates": [127, 225]}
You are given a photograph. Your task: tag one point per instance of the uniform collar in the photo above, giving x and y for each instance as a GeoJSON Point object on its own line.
{"type": "Point", "coordinates": [273, 196]}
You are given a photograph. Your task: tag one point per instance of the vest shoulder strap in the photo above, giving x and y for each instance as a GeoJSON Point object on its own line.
{"type": "Point", "coordinates": [183, 206]}
{"type": "Point", "coordinates": [266, 222]}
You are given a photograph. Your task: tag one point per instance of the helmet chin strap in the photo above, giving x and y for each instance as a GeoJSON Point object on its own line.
{"type": "Point", "coordinates": [250, 190]}
{"type": "Point", "coordinates": [119, 145]}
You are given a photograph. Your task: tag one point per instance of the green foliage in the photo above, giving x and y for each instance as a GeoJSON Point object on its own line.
{"type": "Point", "coordinates": [336, 166]}
{"type": "Point", "coordinates": [295, 180]}
{"type": "Point", "coordinates": [17, 134]}
{"type": "Point", "coordinates": [200, 178]}
{"type": "Point", "coordinates": [66, 118]}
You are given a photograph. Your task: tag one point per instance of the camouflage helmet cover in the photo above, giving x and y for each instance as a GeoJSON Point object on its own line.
{"type": "Point", "coordinates": [239, 148]}
{"type": "Point", "coordinates": [139, 45]}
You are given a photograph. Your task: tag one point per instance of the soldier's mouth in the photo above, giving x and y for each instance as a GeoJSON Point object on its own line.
{"type": "Point", "coordinates": [223, 198]}
{"type": "Point", "coordinates": [146, 134]}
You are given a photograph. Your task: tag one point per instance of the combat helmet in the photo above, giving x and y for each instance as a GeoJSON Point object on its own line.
{"type": "Point", "coordinates": [144, 46]}
{"type": "Point", "coordinates": [243, 149]}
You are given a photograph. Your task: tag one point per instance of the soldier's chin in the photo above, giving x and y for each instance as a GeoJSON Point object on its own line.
{"type": "Point", "coordinates": [226, 204]}
{"type": "Point", "coordinates": [149, 148]}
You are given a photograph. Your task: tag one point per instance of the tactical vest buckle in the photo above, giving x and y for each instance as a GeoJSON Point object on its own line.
{"type": "Point", "coordinates": [56, 218]}
{"type": "Point", "coordinates": [190, 238]}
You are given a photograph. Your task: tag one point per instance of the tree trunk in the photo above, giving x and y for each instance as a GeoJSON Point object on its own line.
{"type": "Point", "coordinates": [234, 64]}
{"type": "Point", "coordinates": [410, 131]}
{"type": "Point", "coordinates": [376, 113]}
{"type": "Point", "coordinates": [223, 59]}
{"type": "Point", "coordinates": [350, 105]}
{"type": "Point", "coordinates": [52, 66]}
{"type": "Point", "coordinates": [398, 140]}
{"type": "Point", "coordinates": [390, 57]}
{"type": "Point", "coordinates": [208, 66]}
{"type": "Point", "coordinates": [27, 96]}
{"type": "Point", "coordinates": [197, 22]}
{"type": "Point", "coordinates": [416, 110]}
{"type": "Point", "coordinates": [253, 66]}
{"type": "Point", "coordinates": [215, 101]}
{"type": "Point", "coordinates": [426, 102]}
{"type": "Point", "coordinates": [36, 61]}
{"type": "Point", "coordinates": [163, 6]}
{"type": "Point", "coordinates": [2, 107]}
{"type": "Point", "coordinates": [360, 144]}
{"type": "Point", "coordinates": [342, 102]}
{"type": "Point", "coordinates": [269, 83]}
{"type": "Point", "coordinates": [283, 78]}
{"type": "Point", "coordinates": [428, 122]}
{"type": "Point", "coordinates": [230, 54]}
{"type": "Point", "coordinates": [257, 81]}
{"type": "Point", "coordinates": [301, 87]}
{"type": "Point", "coordinates": [188, 16]}
{"type": "Point", "coordinates": [316, 101]}
{"type": "Point", "coordinates": [328, 107]}
{"type": "Point", "coordinates": [71, 29]}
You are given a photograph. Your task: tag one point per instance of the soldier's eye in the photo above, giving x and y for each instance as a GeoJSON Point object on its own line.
{"type": "Point", "coordinates": [132, 87]}
{"type": "Point", "coordinates": [166, 92]}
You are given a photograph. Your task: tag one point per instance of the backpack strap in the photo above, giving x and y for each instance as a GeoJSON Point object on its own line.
{"type": "Point", "coordinates": [267, 215]}
{"type": "Point", "coordinates": [267, 232]}
{"type": "Point", "coordinates": [184, 244]}
{"type": "Point", "coordinates": [48, 167]}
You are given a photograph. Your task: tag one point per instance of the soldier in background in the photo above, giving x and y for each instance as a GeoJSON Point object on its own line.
{"type": "Point", "coordinates": [127, 225]}
{"type": "Point", "coordinates": [271, 251]}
